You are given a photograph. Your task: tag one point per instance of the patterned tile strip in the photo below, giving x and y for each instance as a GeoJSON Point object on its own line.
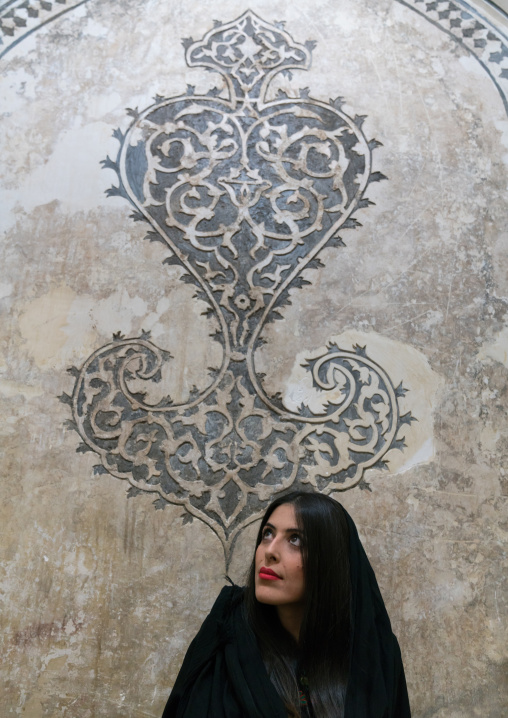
{"type": "Point", "coordinates": [471, 31]}
{"type": "Point", "coordinates": [21, 18]}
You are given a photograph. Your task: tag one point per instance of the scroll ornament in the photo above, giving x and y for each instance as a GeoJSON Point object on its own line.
{"type": "Point", "coordinates": [245, 190]}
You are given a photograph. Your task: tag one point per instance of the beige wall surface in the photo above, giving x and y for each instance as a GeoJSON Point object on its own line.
{"type": "Point", "coordinates": [383, 381]}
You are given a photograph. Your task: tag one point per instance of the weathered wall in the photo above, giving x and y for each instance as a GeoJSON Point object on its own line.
{"type": "Point", "coordinates": [102, 591]}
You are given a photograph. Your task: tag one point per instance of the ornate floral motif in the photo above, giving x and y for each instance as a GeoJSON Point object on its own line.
{"type": "Point", "coordinates": [245, 190]}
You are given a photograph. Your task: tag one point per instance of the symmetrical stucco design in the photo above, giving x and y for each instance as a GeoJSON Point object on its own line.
{"type": "Point", "coordinates": [101, 594]}
{"type": "Point", "coordinates": [245, 192]}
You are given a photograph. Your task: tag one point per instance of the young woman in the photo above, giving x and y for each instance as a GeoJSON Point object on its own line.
{"type": "Point", "coordinates": [309, 636]}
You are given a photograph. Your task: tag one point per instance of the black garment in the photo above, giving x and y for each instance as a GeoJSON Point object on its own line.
{"type": "Point", "coordinates": [376, 686]}
{"type": "Point", "coordinates": [223, 675]}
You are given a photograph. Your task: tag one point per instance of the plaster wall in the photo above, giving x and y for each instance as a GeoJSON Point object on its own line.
{"type": "Point", "coordinates": [102, 584]}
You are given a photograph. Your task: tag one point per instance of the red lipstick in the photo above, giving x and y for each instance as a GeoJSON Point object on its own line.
{"type": "Point", "coordinates": [266, 574]}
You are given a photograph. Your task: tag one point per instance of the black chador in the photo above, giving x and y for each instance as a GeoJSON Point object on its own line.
{"type": "Point", "coordinates": [223, 674]}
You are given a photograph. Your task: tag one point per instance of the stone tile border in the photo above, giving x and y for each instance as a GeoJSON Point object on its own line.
{"type": "Point", "coordinates": [21, 18]}
{"type": "Point", "coordinates": [476, 34]}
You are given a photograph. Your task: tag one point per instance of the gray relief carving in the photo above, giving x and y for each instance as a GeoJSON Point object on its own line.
{"type": "Point", "coordinates": [245, 192]}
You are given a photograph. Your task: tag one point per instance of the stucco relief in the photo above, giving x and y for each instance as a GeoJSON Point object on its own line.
{"type": "Point", "coordinates": [102, 594]}
{"type": "Point", "coordinates": [245, 191]}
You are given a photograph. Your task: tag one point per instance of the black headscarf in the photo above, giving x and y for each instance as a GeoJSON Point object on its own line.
{"type": "Point", "coordinates": [376, 686]}
{"type": "Point", "coordinates": [223, 674]}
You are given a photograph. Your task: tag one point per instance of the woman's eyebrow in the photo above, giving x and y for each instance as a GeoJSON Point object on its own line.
{"type": "Point", "coordinates": [288, 531]}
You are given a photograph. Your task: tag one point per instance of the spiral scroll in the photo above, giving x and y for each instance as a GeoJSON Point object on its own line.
{"type": "Point", "coordinates": [245, 190]}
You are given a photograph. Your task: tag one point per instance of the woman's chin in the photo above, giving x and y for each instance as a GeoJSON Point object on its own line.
{"type": "Point", "coordinates": [266, 594]}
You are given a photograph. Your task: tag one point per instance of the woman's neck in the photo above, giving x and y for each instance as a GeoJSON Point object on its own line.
{"type": "Point", "coordinates": [291, 617]}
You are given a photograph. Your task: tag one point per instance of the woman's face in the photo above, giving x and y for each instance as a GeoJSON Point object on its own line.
{"type": "Point", "coordinates": [279, 566]}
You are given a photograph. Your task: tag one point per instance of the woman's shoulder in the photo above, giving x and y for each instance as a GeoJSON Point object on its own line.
{"type": "Point", "coordinates": [229, 598]}
{"type": "Point", "coordinates": [213, 635]}
{"type": "Point", "coordinates": [230, 595]}
{"type": "Point", "coordinates": [218, 624]}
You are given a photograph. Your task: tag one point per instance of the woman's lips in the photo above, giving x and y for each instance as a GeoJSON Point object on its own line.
{"type": "Point", "coordinates": [266, 574]}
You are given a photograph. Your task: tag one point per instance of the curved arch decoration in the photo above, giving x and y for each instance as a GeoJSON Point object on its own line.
{"type": "Point", "coordinates": [245, 192]}
{"type": "Point", "coordinates": [457, 18]}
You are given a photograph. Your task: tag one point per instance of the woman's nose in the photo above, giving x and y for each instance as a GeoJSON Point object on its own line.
{"type": "Point", "coordinates": [272, 551]}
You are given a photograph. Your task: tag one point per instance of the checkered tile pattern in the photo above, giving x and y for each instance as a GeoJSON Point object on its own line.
{"type": "Point", "coordinates": [483, 41]}
{"type": "Point", "coordinates": [20, 17]}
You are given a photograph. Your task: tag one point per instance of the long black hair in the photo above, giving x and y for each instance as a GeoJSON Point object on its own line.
{"type": "Point", "coordinates": [322, 652]}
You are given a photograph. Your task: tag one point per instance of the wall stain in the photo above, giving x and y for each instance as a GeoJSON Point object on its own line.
{"type": "Point", "coordinates": [53, 630]}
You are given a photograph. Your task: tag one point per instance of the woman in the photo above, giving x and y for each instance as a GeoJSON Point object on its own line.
{"type": "Point", "coordinates": [309, 636]}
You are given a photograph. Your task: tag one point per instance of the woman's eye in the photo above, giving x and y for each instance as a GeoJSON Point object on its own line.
{"type": "Point", "coordinates": [295, 540]}
{"type": "Point", "coordinates": [267, 533]}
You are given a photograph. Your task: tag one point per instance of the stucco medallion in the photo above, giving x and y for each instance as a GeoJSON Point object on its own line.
{"type": "Point", "coordinates": [245, 190]}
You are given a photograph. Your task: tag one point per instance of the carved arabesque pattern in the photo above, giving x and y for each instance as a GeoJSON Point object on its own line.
{"type": "Point", "coordinates": [245, 191]}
